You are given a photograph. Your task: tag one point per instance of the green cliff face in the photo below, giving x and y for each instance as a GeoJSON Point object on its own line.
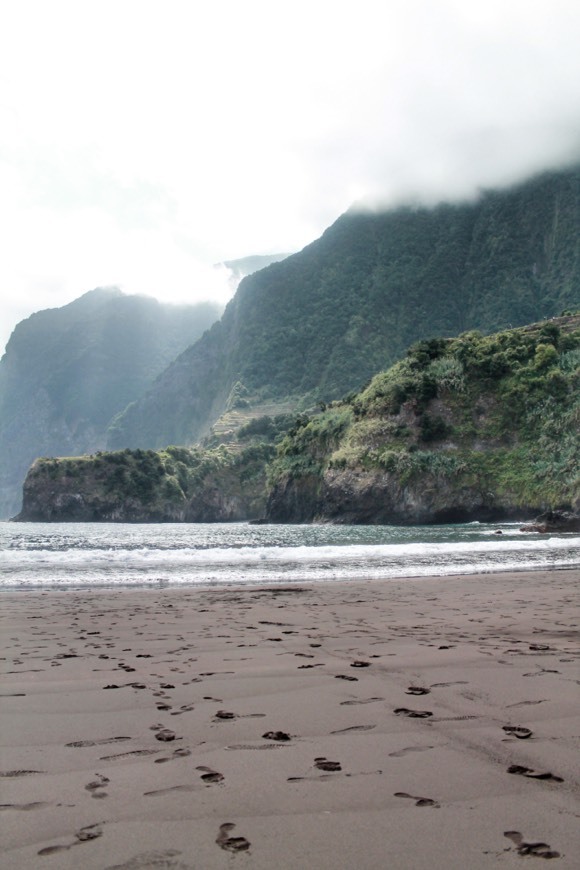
{"type": "Point", "coordinates": [68, 371]}
{"type": "Point", "coordinates": [471, 428]}
{"type": "Point", "coordinates": [323, 321]}
{"type": "Point", "coordinates": [173, 485]}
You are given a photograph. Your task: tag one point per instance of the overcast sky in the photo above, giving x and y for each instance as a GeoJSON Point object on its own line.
{"type": "Point", "coordinates": [142, 141]}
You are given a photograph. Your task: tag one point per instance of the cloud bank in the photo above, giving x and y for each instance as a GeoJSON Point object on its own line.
{"type": "Point", "coordinates": [141, 142]}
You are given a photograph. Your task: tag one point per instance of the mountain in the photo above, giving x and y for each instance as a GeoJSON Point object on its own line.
{"type": "Point", "coordinates": [323, 321]}
{"type": "Point", "coordinates": [68, 371]}
{"type": "Point", "coordinates": [471, 428]}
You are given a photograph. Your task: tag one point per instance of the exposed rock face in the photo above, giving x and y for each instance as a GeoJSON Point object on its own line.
{"type": "Point", "coordinates": [554, 521]}
{"type": "Point", "coordinates": [375, 498]}
{"type": "Point", "coordinates": [54, 492]}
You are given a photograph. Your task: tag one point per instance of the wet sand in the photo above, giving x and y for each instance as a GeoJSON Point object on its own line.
{"type": "Point", "coordinates": [428, 723]}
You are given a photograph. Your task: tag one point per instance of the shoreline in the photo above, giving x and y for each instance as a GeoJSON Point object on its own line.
{"type": "Point", "coordinates": [396, 715]}
{"type": "Point", "coordinates": [160, 585]}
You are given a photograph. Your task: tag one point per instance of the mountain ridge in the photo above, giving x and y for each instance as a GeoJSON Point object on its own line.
{"type": "Point", "coordinates": [321, 322]}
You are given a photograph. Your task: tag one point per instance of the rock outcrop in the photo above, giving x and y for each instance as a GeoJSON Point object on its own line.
{"type": "Point", "coordinates": [378, 498]}
{"type": "Point", "coordinates": [177, 485]}
{"type": "Point", "coordinates": [555, 522]}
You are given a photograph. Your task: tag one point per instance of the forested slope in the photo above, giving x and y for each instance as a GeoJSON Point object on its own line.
{"type": "Point", "coordinates": [323, 321]}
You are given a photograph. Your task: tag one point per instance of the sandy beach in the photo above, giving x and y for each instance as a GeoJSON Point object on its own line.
{"type": "Point", "coordinates": [425, 723]}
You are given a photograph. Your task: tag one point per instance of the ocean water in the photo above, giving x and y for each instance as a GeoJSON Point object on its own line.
{"type": "Point", "coordinates": [37, 555]}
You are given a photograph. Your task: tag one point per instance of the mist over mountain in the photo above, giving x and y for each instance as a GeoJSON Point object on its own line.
{"type": "Point", "coordinates": [67, 371]}
{"type": "Point", "coordinates": [321, 322]}
{"type": "Point", "coordinates": [244, 266]}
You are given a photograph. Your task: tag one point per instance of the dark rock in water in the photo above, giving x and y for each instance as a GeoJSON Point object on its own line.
{"type": "Point", "coordinates": [554, 521]}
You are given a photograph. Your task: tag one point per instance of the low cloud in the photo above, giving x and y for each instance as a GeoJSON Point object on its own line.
{"type": "Point", "coordinates": [144, 142]}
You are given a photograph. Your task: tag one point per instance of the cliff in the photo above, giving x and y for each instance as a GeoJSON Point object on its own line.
{"type": "Point", "coordinates": [472, 428]}
{"type": "Point", "coordinates": [173, 485]}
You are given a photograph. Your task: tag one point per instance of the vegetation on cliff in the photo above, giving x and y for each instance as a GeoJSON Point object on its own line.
{"type": "Point", "coordinates": [487, 421]}
{"type": "Point", "coordinates": [173, 485]}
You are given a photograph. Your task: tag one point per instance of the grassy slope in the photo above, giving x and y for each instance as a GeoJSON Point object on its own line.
{"type": "Point", "coordinates": [499, 413]}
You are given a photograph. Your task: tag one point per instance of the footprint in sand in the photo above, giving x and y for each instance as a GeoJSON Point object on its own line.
{"type": "Point", "coordinates": [97, 785]}
{"type": "Point", "coordinates": [354, 728]}
{"type": "Point", "coordinates": [412, 714]}
{"type": "Point", "coordinates": [419, 801]}
{"type": "Point", "coordinates": [532, 774]}
{"type": "Point", "coordinates": [260, 746]}
{"type": "Point", "coordinates": [134, 754]}
{"type": "Point", "coordinates": [446, 685]}
{"type": "Point", "coordinates": [177, 753]}
{"type": "Point", "coordinates": [231, 844]}
{"type": "Point", "coordinates": [333, 775]}
{"type": "Point", "coordinates": [185, 708]}
{"type": "Point", "coordinates": [89, 832]}
{"type": "Point", "coordinates": [165, 735]}
{"type": "Point", "coordinates": [33, 805]}
{"type": "Point", "coordinates": [150, 860]}
{"type": "Point", "coordinates": [324, 764]}
{"type": "Point", "coordinates": [417, 690]}
{"type": "Point", "coordinates": [361, 701]}
{"type": "Point", "coordinates": [19, 772]}
{"type": "Point", "coordinates": [172, 788]}
{"type": "Point", "coordinates": [527, 703]}
{"type": "Point", "coordinates": [401, 752]}
{"type": "Point", "coordinates": [210, 776]}
{"type": "Point", "coordinates": [276, 735]}
{"type": "Point", "coordinates": [224, 714]}
{"type": "Point", "coordinates": [517, 731]}
{"type": "Point", "coordinates": [541, 850]}
{"type": "Point", "coordinates": [81, 743]}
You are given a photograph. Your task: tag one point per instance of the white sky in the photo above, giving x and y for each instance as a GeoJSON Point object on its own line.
{"type": "Point", "coordinates": [142, 141]}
